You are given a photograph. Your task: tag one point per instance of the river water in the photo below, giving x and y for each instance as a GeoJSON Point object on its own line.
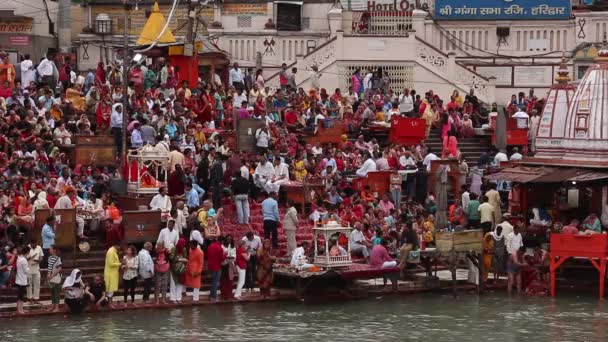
{"type": "Point", "coordinates": [432, 317]}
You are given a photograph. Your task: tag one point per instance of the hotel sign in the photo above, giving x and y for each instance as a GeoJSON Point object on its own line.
{"type": "Point", "coordinates": [245, 9]}
{"type": "Point", "coordinates": [502, 9]}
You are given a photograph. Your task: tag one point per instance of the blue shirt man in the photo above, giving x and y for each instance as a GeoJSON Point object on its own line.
{"type": "Point", "coordinates": [270, 209]}
{"type": "Point", "coordinates": [270, 212]}
{"type": "Point", "coordinates": [48, 233]}
{"type": "Point", "coordinates": [192, 199]}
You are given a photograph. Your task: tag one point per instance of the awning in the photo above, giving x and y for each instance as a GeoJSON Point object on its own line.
{"type": "Point", "coordinates": [589, 177]}
{"type": "Point", "coordinates": [526, 174]}
{"type": "Point", "coordinates": [518, 174]}
{"type": "Point", "coordinates": [557, 176]}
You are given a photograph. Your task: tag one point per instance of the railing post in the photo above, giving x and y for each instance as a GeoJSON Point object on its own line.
{"type": "Point", "coordinates": [335, 19]}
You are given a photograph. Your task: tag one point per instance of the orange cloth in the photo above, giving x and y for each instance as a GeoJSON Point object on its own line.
{"type": "Point", "coordinates": [194, 269]}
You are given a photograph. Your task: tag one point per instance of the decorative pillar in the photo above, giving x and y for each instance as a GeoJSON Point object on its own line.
{"type": "Point", "coordinates": [418, 18]}
{"type": "Point", "coordinates": [335, 19]}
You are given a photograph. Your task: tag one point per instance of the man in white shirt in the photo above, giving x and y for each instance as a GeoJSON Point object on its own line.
{"type": "Point", "coordinates": [281, 175]}
{"type": "Point", "coordinates": [146, 269]}
{"type": "Point", "coordinates": [406, 160]}
{"type": "Point", "coordinates": [46, 71]}
{"type": "Point", "coordinates": [239, 97]}
{"type": "Point", "coordinates": [358, 242]}
{"type": "Point", "coordinates": [406, 103]}
{"type": "Point", "coordinates": [34, 257]}
{"type": "Point", "coordinates": [368, 166]}
{"type": "Point", "coordinates": [428, 159]}
{"type": "Point", "coordinates": [235, 77]}
{"type": "Point", "coordinates": [27, 72]}
{"type": "Point", "coordinates": [516, 155]}
{"type": "Point", "coordinates": [263, 172]}
{"type": "Point", "coordinates": [500, 157]}
{"type": "Point", "coordinates": [514, 241]}
{"type": "Point", "coordinates": [161, 202]}
{"type": "Point", "coordinates": [465, 198]}
{"type": "Point", "coordinates": [21, 277]}
{"type": "Point", "coordinates": [262, 139]}
{"type": "Point", "coordinates": [168, 235]}
{"type": "Point", "coordinates": [299, 260]}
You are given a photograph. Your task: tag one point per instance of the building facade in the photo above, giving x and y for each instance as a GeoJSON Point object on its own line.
{"type": "Point", "coordinates": [28, 27]}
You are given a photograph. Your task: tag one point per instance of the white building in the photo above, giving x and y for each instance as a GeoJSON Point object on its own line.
{"type": "Point", "coordinates": [25, 27]}
{"type": "Point", "coordinates": [411, 42]}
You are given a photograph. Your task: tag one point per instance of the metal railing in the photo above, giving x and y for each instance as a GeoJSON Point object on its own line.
{"type": "Point", "coordinates": [386, 23]}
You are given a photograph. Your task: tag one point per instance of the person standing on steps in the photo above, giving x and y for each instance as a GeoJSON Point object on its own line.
{"type": "Point", "coordinates": [290, 225]}
{"type": "Point", "coordinates": [270, 212]}
{"type": "Point", "coordinates": [146, 269]}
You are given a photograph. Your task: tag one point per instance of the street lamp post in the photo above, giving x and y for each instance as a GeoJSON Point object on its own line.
{"type": "Point", "coordinates": [125, 80]}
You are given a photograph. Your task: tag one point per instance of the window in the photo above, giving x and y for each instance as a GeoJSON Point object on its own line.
{"type": "Point", "coordinates": [243, 21]}
{"type": "Point", "coordinates": [182, 26]}
{"type": "Point", "coordinates": [305, 23]}
{"type": "Point", "coordinates": [289, 17]}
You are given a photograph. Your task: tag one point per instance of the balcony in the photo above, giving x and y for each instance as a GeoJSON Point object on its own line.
{"type": "Point", "coordinates": [382, 23]}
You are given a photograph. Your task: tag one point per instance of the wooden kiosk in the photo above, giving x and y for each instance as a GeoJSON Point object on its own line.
{"type": "Point", "coordinates": [593, 247]}
{"type": "Point", "coordinates": [147, 172]}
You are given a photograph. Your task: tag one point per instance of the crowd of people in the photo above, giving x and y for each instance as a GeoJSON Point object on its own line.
{"type": "Point", "coordinates": [46, 104]}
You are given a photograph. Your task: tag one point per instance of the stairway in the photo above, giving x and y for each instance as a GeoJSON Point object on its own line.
{"type": "Point", "coordinates": [472, 148]}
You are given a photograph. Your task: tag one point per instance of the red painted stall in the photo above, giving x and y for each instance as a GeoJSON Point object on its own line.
{"type": "Point", "coordinates": [378, 181]}
{"type": "Point", "coordinates": [188, 68]}
{"type": "Point", "coordinates": [515, 136]}
{"type": "Point", "coordinates": [406, 130]}
{"type": "Point", "coordinates": [593, 247]}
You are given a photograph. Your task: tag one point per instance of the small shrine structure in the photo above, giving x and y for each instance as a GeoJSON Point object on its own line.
{"type": "Point", "coordinates": [331, 233]}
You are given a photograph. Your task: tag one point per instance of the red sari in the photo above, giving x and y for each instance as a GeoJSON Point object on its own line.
{"type": "Point", "coordinates": [102, 115]}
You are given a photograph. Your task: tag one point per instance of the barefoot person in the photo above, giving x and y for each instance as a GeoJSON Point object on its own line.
{"type": "Point", "coordinates": [54, 277]}
{"type": "Point", "coordinates": [110, 272]}
{"type": "Point", "coordinates": [21, 277]}
{"type": "Point", "coordinates": [514, 265]}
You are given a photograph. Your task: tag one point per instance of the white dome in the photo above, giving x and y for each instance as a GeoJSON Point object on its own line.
{"type": "Point", "coordinates": [574, 123]}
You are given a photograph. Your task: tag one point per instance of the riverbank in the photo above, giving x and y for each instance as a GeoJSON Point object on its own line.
{"type": "Point", "coordinates": [363, 289]}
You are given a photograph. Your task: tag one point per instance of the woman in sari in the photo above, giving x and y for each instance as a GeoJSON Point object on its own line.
{"type": "Point", "coordinates": [149, 79]}
{"type": "Point", "coordinates": [24, 212]}
{"type": "Point", "coordinates": [428, 117]}
{"type": "Point", "coordinates": [5, 90]}
{"type": "Point", "coordinates": [264, 269]}
{"type": "Point", "coordinates": [7, 72]}
{"type": "Point", "coordinates": [41, 202]}
{"type": "Point", "coordinates": [102, 114]}
{"type": "Point", "coordinates": [228, 268]}
{"type": "Point", "coordinates": [77, 99]}
{"type": "Point", "coordinates": [178, 260]}
{"type": "Point", "coordinates": [100, 75]}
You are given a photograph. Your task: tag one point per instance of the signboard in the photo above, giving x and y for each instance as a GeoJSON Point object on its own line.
{"type": "Point", "coordinates": [532, 76]}
{"type": "Point", "coordinates": [245, 9]}
{"type": "Point", "coordinates": [21, 26]}
{"type": "Point", "coordinates": [141, 226]}
{"type": "Point", "coordinates": [19, 40]}
{"type": "Point", "coordinates": [502, 74]}
{"type": "Point", "coordinates": [502, 9]}
{"type": "Point", "coordinates": [385, 5]}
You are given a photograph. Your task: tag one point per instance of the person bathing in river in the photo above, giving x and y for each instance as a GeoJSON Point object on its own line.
{"type": "Point", "coordinates": [514, 268]}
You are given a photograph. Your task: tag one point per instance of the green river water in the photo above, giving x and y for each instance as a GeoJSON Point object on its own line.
{"type": "Point", "coordinates": [425, 317]}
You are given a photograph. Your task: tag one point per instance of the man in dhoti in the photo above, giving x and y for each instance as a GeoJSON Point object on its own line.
{"type": "Point", "coordinates": [264, 172]}
{"type": "Point", "coordinates": [299, 259]}
{"type": "Point", "coordinates": [280, 176]}
{"type": "Point", "coordinates": [161, 202]}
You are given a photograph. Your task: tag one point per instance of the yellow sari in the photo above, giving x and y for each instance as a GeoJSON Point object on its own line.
{"type": "Point", "coordinates": [299, 170]}
{"type": "Point", "coordinates": [78, 101]}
